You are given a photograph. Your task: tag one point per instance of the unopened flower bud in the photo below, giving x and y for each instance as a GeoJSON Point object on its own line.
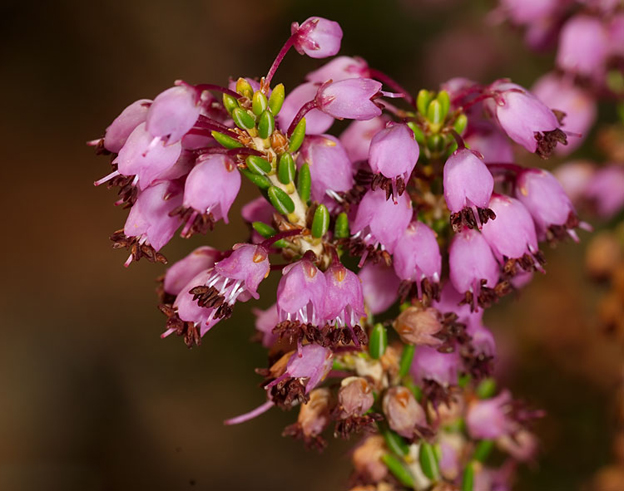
{"type": "Point", "coordinates": [317, 37]}
{"type": "Point", "coordinates": [402, 411]}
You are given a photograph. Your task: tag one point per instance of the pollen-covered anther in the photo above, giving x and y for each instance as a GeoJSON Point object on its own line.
{"type": "Point", "coordinates": [138, 247]}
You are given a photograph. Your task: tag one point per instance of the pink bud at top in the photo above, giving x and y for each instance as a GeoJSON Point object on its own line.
{"type": "Point", "coordinates": [606, 190]}
{"type": "Point", "coordinates": [394, 152]}
{"type": "Point", "coordinates": [355, 397]}
{"type": "Point", "coordinates": [173, 113]}
{"type": "Point", "coordinates": [417, 254]}
{"type": "Point", "coordinates": [402, 411]}
{"type": "Point", "coordinates": [522, 115]}
{"type": "Point", "coordinates": [381, 221]}
{"type": "Point", "coordinates": [316, 121]}
{"type": "Point", "coordinates": [490, 142]}
{"type": "Point", "coordinates": [183, 271]}
{"type": "Point", "coordinates": [430, 364]}
{"type": "Point", "coordinates": [313, 362]}
{"type": "Point", "coordinates": [149, 217]}
{"type": "Point", "coordinates": [470, 261]}
{"type": "Point", "coordinates": [248, 265]}
{"type": "Point", "coordinates": [330, 167]}
{"type": "Point", "coordinates": [578, 105]}
{"type": "Point", "coordinates": [317, 37]}
{"type": "Point", "coordinates": [339, 68]}
{"type": "Point", "coordinates": [529, 11]}
{"type": "Point", "coordinates": [266, 320]}
{"type": "Point", "coordinates": [380, 287]}
{"type": "Point", "coordinates": [512, 234]}
{"type": "Point", "coordinates": [540, 192]}
{"type": "Point", "coordinates": [583, 46]}
{"type": "Point", "coordinates": [350, 99]}
{"type": "Point", "coordinates": [344, 301]}
{"type": "Point", "coordinates": [357, 138]}
{"type": "Point", "coordinates": [467, 181]}
{"type": "Point", "coordinates": [119, 130]}
{"type": "Point", "coordinates": [146, 158]}
{"type": "Point", "coordinates": [212, 186]}
{"type": "Point", "coordinates": [300, 293]}
{"type": "Point", "coordinates": [489, 419]}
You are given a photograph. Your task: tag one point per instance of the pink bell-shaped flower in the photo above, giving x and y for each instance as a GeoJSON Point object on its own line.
{"type": "Point", "coordinates": [340, 68]}
{"type": "Point", "coordinates": [301, 294]}
{"type": "Point", "coordinates": [356, 139]}
{"type": "Point", "coordinates": [583, 46]}
{"type": "Point", "coordinates": [124, 124]}
{"type": "Point", "coordinates": [173, 113]}
{"type": "Point", "coordinates": [184, 270]}
{"type": "Point", "coordinates": [380, 286]}
{"type": "Point", "coordinates": [317, 121]}
{"type": "Point", "coordinates": [317, 37]}
{"type": "Point", "coordinates": [350, 99]}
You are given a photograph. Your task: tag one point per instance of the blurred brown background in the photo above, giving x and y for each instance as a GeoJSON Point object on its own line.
{"type": "Point", "coordinates": [92, 398]}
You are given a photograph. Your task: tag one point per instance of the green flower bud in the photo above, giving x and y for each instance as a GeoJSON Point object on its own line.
{"type": "Point", "coordinates": [422, 101]}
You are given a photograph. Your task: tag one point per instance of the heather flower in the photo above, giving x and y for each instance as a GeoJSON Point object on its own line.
{"type": "Point", "coordinates": [452, 446]}
{"type": "Point", "coordinates": [367, 458]}
{"type": "Point", "coordinates": [344, 301]}
{"type": "Point", "coordinates": [526, 120]}
{"type": "Point", "coordinates": [451, 301]}
{"type": "Point", "coordinates": [184, 270]}
{"type": "Point", "coordinates": [393, 153]}
{"type": "Point", "coordinates": [210, 189]}
{"type": "Point", "coordinates": [184, 165]}
{"type": "Point", "coordinates": [330, 167]}
{"type": "Point", "coordinates": [382, 222]}
{"type": "Point", "coordinates": [540, 192]}
{"type": "Point", "coordinates": [417, 258]}
{"type": "Point", "coordinates": [419, 326]}
{"type": "Point", "coordinates": [403, 413]}
{"type": "Point", "coordinates": [482, 339]}
{"type": "Point", "coordinates": [490, 142]}
{"type": "Point", "coordinates": [300, 293]}
{"type": "Point", "coordinates": [489, 419]}
{"type": "Point", "coordinates": [472, 266]}
{"type": "Point", "coordinates": [149, 226]}
{"type": "Point", "coordinates": [431, 365]}
{"type": "Point", "coordinates": [314, 417]}
{"type": "Point", "coordinates": [311, 364]}
{"type": "Point", "coordinates": [317, 122]}
{"type": "Point", "coordinates": [173, 113]}
{"type": "Point", "coordinates": [529, 11]}
{"type": "Point", "coordinates": [124, 124]}
{"type": "Point", "coordinates": [574, 178]}
{"type": "Point", "coordinates": [578, 105]}
{"type": "Point", "coordinates": [266, 320]}
{"type": "Point", "coordinates": [257, 210]}
{"type": "Point", "coordinates": [583, 46]}
{"type": "Point", "coordinates": [512, 235]}
{"type": "Point", "coordinates": [468, 186]}
{"type": "Point", "coordinates": [340, 68]}
{"type": "Point", "coordinates": [356, 139]}
{"type": "Point", "coordinates": [349, 99]}
{"type": "Point", "coordinates": [355, 397]}
{"type": "Point", "coordinates": [380, 287]}
{"type": "Point", "coordinates": [241, 272]}
{"type": "Point", "coordinates": [317, 37]}
{"type": "Point", "coordinates": [605, 190]}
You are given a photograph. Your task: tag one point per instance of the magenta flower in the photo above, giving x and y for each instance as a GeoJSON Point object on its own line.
{"type": "Point", "coordinates": [583, 46]}
{"type": "Point", "coordinates": [451, 301]}
{"type": "Point", "coordinates": [344, 300]}
{"type": "Point", "coordinates": [394, 152]}
{"type": "Point", "coordinates": [482, 339]}
{"type": "Point", "coordinates": [317, 37]}
{"type": "Point", "coordinates": [317, 121]}
{"type": "Point", "coordinates": [468, 186]}
{"type": "Point", "coordinates": [417, 256]}
{"type": "Point", "coordinates": [301, 294]}
{"type": "Point", "coordinates": [184, 270]}
{"type": "Point", "coordinates": [472, 265]}
{"type": "Point", "coordinates": [350, 99]}
{"type": "Point", "coordinates": [382, 222]}
{"type": "Point", "coordinates": [540, 192]}
{"type": "Point", "coordinates": [339, 68]}
{"type": "Point", "coordinates": [173, 113]}
{"type": "Point", "coordinates": [266, 320]}
{"type": "Point", "coordinates": [311, 364]}
{"type": "Point", "coordinates": [526, 120]}
{"type": "Point", "coordinates": [380, 287]}
{"type": "Point", "coordinates": [529, 11]}
{"type": "Point", "coordinates": [124, 124]}
{"type": "Point", "coordinates": [430, 364]}
{"type": "Point", "coordinates": [210, 189]}
{"type": "Point", "coordinates": [574, 178]}
{"type": "Point", "coordinates": [241, 272]}
{"type": "Point", "coordinates": [356, 139]}
{"type": "Point", "coordinates": [512, 235]}
{"type": "Point", "coordinates": [489, 419]}
{"type": "Point", "coordinates": [330, 168]}
{"type": "Point", "coordinates": [605, 190]}
{"type": "Point", "coordinates": [490, 142]}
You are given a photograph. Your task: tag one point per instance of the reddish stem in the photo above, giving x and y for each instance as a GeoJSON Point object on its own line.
{"type": "Point", "coordinates": [217, 88]}
{"type": "Point", "coordinates": [280, 56]}
{"type": "Point", "coordinates": [305, 109]}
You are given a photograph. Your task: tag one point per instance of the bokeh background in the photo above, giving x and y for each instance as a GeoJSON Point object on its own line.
{"type": "Point", "coordinates": [92, 398]}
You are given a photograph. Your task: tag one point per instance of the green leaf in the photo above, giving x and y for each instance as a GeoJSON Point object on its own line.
{"type": "Point", "coordinates": [258, 165]}
{"type": "Point", "coordinates": [422, 101]}
{"type": "Point", "coordinates": [243, 119]}
{"type": "Point", "coordinates": [406, 359]}
{"type": "Point", "coordinates": [483, 450]}
{"type": "Point", "coordinates": [341, 229]}
{"type": "Point", "coordinates": [244, 88]}
{"type": "Point", "coordinates": [434, 112]}
{"type": "Point", "coordinates": [399, 470]}
{"type": "Point", "coordinates": [296, 139]}
{"type": "Point", "coordinates": [266, 124]}
{"type": "Point", "coordinates": [230, 103]}
{"type": "Point", "coordinates": [263, 229]}
{"type": "Point", "coordinates": [486, 389]}
{"type": "Point", "coordinates": [304, 182]}
{"type": "Point", "coordinates": [261, 181]}
{"type": "Point", "coordinates": [395, 442]}
{"type": "Point", "coordinates": [259, 103]}
{"type": "Point", "coordinates": [281, 201]}
{"type": "Point", "coordinates": [419, 136]}
{"type": "Point", "coordinates": [286, 169]}
{"type": "Point", "coordinates": [428, 461]}
{"type": "Point", "coordinates": [378, 341]}
{"type": "Point", "coordinates": [445, 102]}
{"type": "Point", "coordinates": [468, 478]}
{"type": "Point", "coordinates": [277, 99]}
{"type": "Point", "coordinates": [320, 222]}
{"type": "Point", "coordinates": [226, 141]}
{"type": "Point", "coordinates": [460, 123]}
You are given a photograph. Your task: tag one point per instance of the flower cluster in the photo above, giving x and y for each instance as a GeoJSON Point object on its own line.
{"type": "Point", "coordinates": [415, 209]}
